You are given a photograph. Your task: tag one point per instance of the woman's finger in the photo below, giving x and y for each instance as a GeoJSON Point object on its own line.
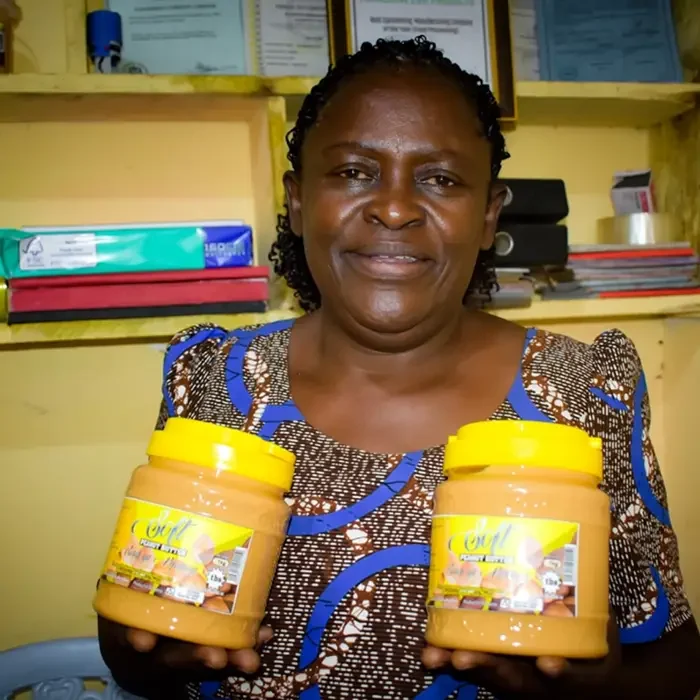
{"type": "Point", "coordinates": [507, 674]}
{"type": "Point", "coordinates": [264, 635]}
{"type": "Point", "coordinates": [466, 660]}
{"type": "Point", "coordinates": [245, 660]}
{"type": "Point", "coordinates": [211, 657]}
{"type": "Point", "coordinates": [181, 655]}
{"type": "Point", "coordinates": [552, 666]}
{"type": "Point", "coordinates": [434, 658]}
{"type": "Point", "coordinates": [141, 640]}
{"type": "Point", "coordinates": [189, 657]}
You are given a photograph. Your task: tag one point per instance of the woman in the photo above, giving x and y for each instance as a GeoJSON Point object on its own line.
{"type": "Point", "coordinates": [392, 206]}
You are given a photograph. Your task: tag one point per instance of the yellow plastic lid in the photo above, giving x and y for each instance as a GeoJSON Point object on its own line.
{"type": "Point", "coordinates": [527, 443]}
{"type": "Point", "coordinates": [209, 445]}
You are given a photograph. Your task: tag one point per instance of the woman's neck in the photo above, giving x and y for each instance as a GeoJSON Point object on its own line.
{"type": "Point", "coordinates": [395, 359]}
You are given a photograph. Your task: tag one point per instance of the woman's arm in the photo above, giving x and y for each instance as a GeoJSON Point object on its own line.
{"type": "Point", "coordinates": [668, 668]}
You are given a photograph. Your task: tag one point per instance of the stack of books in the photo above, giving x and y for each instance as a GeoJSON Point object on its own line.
{"type": "Point", "coordinates": [131, 271]}
{"type": "Point", "coordinates": [618, 271]}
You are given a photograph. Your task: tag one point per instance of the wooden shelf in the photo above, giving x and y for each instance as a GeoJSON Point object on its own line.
{"type": "Point", "coordinates": [565, 103]}
{"type": "Point", "coordinates": [157, 329]}
{"type": "Point", "coordinates": [121, 84]}
{"type": "Point", "coordinates": [603, 104]}
{"type": "Point", "coordinates": [94, 96]}
{"type": "Point", "coordinates": [290, 86]}
{"type": "Point", "coordinates": [31, 98]}
{"type": "Point", "coordinates": [162, 329]}
{"type": "Point", "coordinates": [602, 309]}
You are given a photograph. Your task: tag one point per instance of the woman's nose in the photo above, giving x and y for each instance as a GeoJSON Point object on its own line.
{"type": "Point", "coordinates": [394, 206]}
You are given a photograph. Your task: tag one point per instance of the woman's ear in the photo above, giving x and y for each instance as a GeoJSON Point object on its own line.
{"type": "Point", "coordinates": [498, 194]}
{"type": "Point", "coordinates": [292, 189]}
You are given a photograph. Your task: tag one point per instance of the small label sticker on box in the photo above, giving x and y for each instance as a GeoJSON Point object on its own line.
{"type": "Point", "coordinates": [58, 252]}
{"type": "Point", "coordinates": [227, 246]}
{"type": "Point", "coordinates": [633, 193]}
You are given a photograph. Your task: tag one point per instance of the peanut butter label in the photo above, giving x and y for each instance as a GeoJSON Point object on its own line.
{"type": "Point", "coordinates": [178, 555]}
{"type": "Point", "coordinates": [521, 565]}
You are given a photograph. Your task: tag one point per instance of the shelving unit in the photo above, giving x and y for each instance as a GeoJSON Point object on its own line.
{"type": "Point", "coordinates": [636, 105]}
{"type": "Point", "coordinates": [65, 98]}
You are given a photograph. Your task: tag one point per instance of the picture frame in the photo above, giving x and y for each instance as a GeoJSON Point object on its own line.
{"type": "Point", "coordinates": [349, 25]}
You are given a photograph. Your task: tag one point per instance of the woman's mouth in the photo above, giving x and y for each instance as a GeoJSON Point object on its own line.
{"type": "Point", "coordinates": [388, 266]}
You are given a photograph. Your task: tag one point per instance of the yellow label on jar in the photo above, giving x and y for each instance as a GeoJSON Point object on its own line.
{"type": "Point", "coordinates": [178, 555]}
{"type": "Point", "coordinates": [522, 565]}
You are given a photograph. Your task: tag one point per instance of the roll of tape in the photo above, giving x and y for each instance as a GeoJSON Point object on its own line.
{"type": "Point", "coordinates": [640, 229]}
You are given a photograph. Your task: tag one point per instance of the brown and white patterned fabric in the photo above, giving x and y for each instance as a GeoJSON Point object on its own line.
{"type": "Point", "coordinates": [348, 602]}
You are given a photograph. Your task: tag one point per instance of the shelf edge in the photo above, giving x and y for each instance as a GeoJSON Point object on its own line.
{"type": "Point", "coordinates": [162, 329]}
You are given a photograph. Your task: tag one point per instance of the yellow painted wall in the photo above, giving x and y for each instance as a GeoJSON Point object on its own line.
{"type": "Point", "coordinates": [39, 48]}
{"type": "Point", "coordinates": [70, 173]}
{"type": "Point", "coordinates": [75, 422]}
{"type": "Point", "coordinates": [680, 426]}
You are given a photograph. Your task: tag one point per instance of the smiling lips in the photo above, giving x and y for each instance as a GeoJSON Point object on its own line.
{"type": "Point", "coordinates": [386, 265]}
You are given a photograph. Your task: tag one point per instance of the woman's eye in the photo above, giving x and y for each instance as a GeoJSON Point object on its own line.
{"type": "Point", "coordinates": [353, 174]}
{"type": "Point", "coordinates": [439, 181]}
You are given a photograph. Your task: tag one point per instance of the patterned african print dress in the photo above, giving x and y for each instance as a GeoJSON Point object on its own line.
{"type": "Point", "coordinates": [348, 601]}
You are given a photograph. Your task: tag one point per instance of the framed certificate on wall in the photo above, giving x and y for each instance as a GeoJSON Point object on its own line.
{"type": "Point", "coordinates": [292, 37]}
{"type": "Point", "coordinates": [475, 34]}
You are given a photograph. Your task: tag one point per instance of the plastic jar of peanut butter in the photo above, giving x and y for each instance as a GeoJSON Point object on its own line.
{"type": "Point", "coordinates": [196, 544]}
{"type": "Point", "coordinates": [520, 539]}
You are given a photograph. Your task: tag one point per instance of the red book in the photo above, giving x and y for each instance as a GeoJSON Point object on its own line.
{"type": "Point", "coordinates": [108, 292]}
{"type": "Point", "coordinates": [650, 293]}
{"type": "Point", "coordinates": [141, 277]}
{"type": "Point", "coordinates": [632, 254]}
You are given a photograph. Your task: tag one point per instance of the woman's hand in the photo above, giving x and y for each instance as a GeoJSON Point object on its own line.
{"type": "Point", "coordinates": [544, 677]}
{"type": "Point", "coordinates": [158, 667]}
{"type": "Point", "coordinates": [183, 656]}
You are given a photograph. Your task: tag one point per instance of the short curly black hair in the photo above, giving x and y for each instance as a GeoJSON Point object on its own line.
{"type": "Point", "coordinates": [287, 254]}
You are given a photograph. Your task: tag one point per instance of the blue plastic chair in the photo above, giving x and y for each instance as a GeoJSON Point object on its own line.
{"type": "Point", "coordinates": [57, 670]}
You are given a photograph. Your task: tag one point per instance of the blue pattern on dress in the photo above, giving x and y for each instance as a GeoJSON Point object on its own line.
{"type": "Point", "coordinates": [518, 397]}
{"type": "Point", "coordinates": [176, 350]}
{"type": "Point", "coordinates": [394, 483]}
{"type": "Point", "coordinates": [346, 581]}
{"type": "Point", "coordinates": [641, 480]}
{"type": "Point", "coordinates": [653, 627]}
{"type": "Point", "coordinates": [610, 400]}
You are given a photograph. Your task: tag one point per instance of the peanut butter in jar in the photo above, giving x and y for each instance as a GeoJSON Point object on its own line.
{"type": "Point", "coordinates": [519, 551]}
{"type": "Point", "coordinates": [196, 544]}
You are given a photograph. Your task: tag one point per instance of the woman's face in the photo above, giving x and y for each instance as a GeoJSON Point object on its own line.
{"type": "Point", "coordinates": [394, 202]}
